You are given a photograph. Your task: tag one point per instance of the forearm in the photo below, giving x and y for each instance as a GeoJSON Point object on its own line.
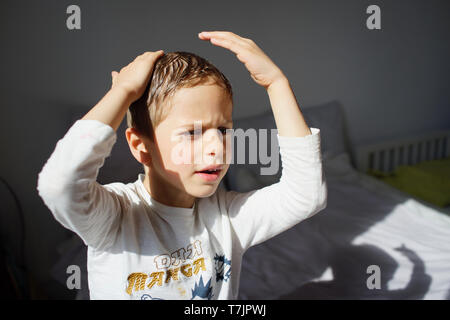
{"type": "Point", "coordinates": [111, 109]}
{"type": "Point", "coordinates": [287, 114]}
{"type": "Point", "coordinates": [300, 193]}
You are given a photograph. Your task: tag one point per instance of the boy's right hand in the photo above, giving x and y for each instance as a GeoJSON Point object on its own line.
{"type": "Point", "coordinates": [134, 77]}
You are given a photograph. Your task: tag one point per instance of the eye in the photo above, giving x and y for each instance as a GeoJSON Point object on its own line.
{"type": "Point", "coordinates": [223, 130]}
{"type": "Point", "coordinates": [192, 133]}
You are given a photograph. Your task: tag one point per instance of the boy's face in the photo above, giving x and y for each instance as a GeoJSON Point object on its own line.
{"type": "Point", "coordinates": [178, 154]}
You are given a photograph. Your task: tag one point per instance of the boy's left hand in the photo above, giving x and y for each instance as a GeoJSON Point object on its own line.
{"type": "Point", "coordinates": [261, 67]}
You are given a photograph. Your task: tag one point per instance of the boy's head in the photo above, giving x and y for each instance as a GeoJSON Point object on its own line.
{"type": "Point", "coordinates": [185, 92]}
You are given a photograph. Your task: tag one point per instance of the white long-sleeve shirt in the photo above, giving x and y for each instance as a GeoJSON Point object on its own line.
{"type": "Point", "coordinates": [139, 248]}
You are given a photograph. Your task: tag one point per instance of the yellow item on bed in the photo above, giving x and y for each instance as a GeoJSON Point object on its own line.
{"type": "Point", "coordinates": [428, 180]}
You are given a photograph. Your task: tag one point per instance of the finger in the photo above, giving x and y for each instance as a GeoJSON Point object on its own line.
{"type": "Point", "coordinates": [114, 74]}
{"type": "Point", "coordinates": [151, 57]}
{"type": "Point", "coordinates": [157, 54]}
{"type": "Point", "coordinates": [226, 39]}
{"type": "Point", "coordinates": [222, 35]}
{"type": "Point", "coordinates": [139, 56]}
{"type": "Point", "coordinates": [228, 44]}
{"type": "Point", "coordinates": [153, 53]}
{"type": "Point", "coordinates": [150, 54]}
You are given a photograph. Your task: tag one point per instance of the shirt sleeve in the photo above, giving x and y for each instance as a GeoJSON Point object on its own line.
{"type": "Point", "coordinates": [67, 184]}
{"type": "Point", "coordinates": [301, 192]}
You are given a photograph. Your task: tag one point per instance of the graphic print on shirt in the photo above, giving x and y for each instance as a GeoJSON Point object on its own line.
{"type": "Point", "coordinates": [149, 297]}
{"type": "Point", "coordinates": [202, 290]}
{"type": "Point", "coordinates": [222, 266]}
{"type": "Point", "coordinates": [182, 265]}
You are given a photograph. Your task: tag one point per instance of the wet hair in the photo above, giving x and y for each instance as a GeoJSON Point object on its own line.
{"type": "Point", "coordinates": [172, 71]}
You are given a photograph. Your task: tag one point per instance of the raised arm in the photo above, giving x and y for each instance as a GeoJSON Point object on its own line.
{"type": "Point", "coordinates": [301, 192]}
{"type": "Point", "coordinates": [67, 183]}
{"type": "Point", "coordinates": [288, 118]}
{"type": "Point", "coordinates": [127, 86]}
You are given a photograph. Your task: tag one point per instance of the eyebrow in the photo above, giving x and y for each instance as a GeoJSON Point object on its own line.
{"type": "Point", "coordinates": [191, 124]}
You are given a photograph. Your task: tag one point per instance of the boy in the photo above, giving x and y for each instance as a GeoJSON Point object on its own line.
{"type": "Point", "coordinates": [172, 234]}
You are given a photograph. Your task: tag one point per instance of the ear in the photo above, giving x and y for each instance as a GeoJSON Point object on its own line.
{"type": "Point", "coordinates": [139, 145]}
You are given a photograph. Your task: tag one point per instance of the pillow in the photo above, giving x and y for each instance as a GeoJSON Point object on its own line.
{"type": "Point", "coordinates": [428, 180]}
{"type": "Point", "coordinates": [247, 176]}
{"type": "Point", "coordinates": [328, 117]}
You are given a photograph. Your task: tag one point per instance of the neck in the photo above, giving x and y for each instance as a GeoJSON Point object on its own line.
{"type": "Point", "coordinates": [167, 194]}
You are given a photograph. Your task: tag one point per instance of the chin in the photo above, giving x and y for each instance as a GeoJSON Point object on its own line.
{"type": "Point", "coordinates": [205, 191]}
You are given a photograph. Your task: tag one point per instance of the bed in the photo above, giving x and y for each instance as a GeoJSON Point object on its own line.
{"type": "Point", "coordinates": [367, 226]}
{"type": "Point", "coordinates": [371, 242]}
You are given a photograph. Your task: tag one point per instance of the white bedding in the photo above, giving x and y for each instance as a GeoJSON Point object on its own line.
{"type": "Point", "coordinates": [365, 223]}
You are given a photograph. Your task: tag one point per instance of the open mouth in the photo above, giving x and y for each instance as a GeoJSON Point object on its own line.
{"type": "Point", "coordinates": [210, 174]}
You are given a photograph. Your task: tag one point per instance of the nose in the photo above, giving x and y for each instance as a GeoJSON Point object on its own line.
{"type": "Point", "coordinates": [213, 144]}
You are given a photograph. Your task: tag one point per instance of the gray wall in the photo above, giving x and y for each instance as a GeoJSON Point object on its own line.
{"type": "Point", "coordinates": [391, 82]}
